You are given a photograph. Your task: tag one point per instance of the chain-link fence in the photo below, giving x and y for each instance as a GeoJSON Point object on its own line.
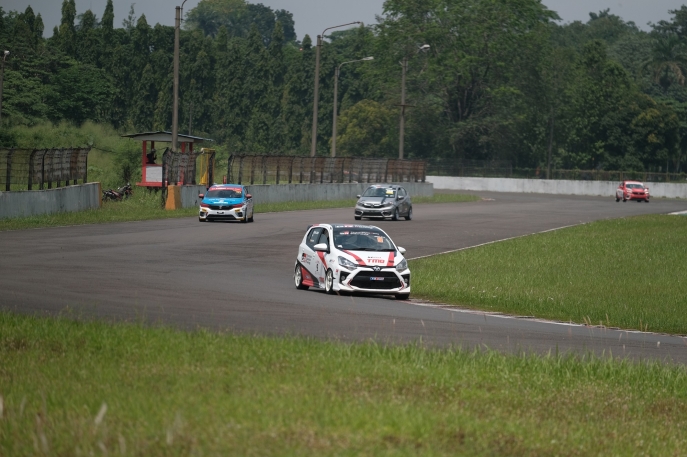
{"type": "Point", "coordinates": [504, 169]}
{"type": "Point", "coordinates": [180, 167]}
{"type": "Point", "coordinates": [264, 169]}
{"type": "Point", "coordinates": [31, 169]}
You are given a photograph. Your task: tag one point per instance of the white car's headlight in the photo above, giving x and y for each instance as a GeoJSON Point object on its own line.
{"type": "Point", "coordinates": [402, 266]}
{"type": "Point", "coordinates": [344, 262]}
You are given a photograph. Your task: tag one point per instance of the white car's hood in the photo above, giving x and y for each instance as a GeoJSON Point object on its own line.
{"type": "Point", "coordinates": [374, 258]}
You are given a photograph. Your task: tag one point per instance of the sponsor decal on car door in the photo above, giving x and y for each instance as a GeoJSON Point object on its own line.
{"type": "Point", "coordinates": [309, 260]}
{"type": "Point", "coordinates": [321, 268]}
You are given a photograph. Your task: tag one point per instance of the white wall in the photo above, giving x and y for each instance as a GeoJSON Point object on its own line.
{"type": "Point", "coordinates": [60, 200]}
{"type": "Point", "coordinates": [549, 186]}
{"type": "Point", "coordinates": [277, 193]}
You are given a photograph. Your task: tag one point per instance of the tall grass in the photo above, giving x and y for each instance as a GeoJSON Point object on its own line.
{"type": "Point", "coordinates": [629, 273]}
{"type": "Point", "coordinates": [80, 388]}
{"type": "Point", "coordinates": [112, 161]}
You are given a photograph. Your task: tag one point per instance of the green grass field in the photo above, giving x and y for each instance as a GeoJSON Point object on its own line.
{"type": "Point", "coordinates": [629, 273]}
{"type": "Point", "coordinates": [85, 388]}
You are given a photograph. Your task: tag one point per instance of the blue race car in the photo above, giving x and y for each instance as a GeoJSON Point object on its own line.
{"type": "Point", "coordinates": [226, 202]}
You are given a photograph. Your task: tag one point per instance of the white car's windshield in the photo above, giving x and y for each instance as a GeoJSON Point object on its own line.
{"type": "Point", "coordinates": [379, 192]}
{"type": "Point", "coordinates": [224, 193]}
{"type": "Point", "coordinates": [362, 240]}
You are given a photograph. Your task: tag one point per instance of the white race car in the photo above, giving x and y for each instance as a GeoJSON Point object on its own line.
{"type": "Point", "coordinates": [351, 258]}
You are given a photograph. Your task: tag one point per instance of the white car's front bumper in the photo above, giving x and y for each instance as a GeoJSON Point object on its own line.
{"type": "Point", "coordinates": [367, 280]}
{"type": "Point", "coordinates": [233, 214]}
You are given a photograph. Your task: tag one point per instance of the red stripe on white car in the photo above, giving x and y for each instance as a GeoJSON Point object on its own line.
{"type": "Point", "coordinates": [360, 261]}
{"type": "Point", "coordinates": [392, 255]}
{"type": "Point", "coordinates": [321, 256]}
{"type": "Point", "coordinates": [307, 278]}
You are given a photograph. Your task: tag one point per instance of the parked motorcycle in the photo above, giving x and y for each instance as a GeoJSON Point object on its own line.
{"type": "Point", "coordinates": [119, 194]}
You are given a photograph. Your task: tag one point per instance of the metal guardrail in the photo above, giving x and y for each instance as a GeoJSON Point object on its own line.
{"type": "Point", "coordinates": [270, 169]}
{"type": "Point", "coordinates": [26, 169]}
{"type": "Point", "coordinates": [504, 169]}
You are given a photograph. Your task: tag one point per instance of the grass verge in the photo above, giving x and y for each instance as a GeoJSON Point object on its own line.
{"type": "Point", "coordinates": [86, 388]}
{"type": "Point", "coordinates": [146, 206]}
{"type": "Point", "coordinates": [628, 273]}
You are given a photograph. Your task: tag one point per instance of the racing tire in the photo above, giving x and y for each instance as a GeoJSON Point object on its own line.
{"type": "Point", "coordinates": [410, 214]}
{"type": "Point", "coordinates": [298, 278]}
{"type": "Point", "coordinates": [251, 218]}
{"type": "Point", "coordinates": [245, 219]}
{"type": "Point", "coordinates": [617, 199]}
{"type": "Point", "coordinates": [647, 200]}
{"type": "Point", "coordinates": [357, 218]}
{"type": "Point", "coordinates": [329, 282]}
{"type": "Point", "coordinates": [402, 296]}
{"type": "Point", "coordinates": [201, 220]}
{"type": "Point", "coordinates": [395, 216]}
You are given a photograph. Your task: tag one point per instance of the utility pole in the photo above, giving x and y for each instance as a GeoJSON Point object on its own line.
{"type": "Point", "coordinates": [401, 133]}
{"type": "Point", "coordinates": [316, 97]}
{"type": "Point", "coordinates": [175, 109]}
{"type": "Point", "coordinates": [175, 113]}
{"type": "Point", "coordinates": [402, 126]}
{"type": "Point", "coordinates": [316, 94]}
{"type": "Point", "coordinates": [2, 77]}
{"type": "Point", "coordinates": [190, 117]}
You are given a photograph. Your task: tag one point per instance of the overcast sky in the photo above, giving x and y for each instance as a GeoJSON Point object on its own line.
{"type": "Point", "coordinates": [313, 16]}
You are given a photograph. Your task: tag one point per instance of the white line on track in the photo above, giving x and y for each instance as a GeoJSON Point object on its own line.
{"type": "Point", "coordinates": [495, 241]}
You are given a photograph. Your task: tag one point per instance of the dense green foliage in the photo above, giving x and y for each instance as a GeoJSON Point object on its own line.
{"type": "Point", "coordinates": [501, 81]}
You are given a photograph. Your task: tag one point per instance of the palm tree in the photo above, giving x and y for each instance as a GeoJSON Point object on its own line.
{"type": "Point", "coordinates": [668, 61]}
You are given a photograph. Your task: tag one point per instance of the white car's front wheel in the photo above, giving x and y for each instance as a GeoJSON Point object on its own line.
{"type": "Point", "coordinates": [298, 278]}
{"type": "Point", "coordinates": [329, 282]}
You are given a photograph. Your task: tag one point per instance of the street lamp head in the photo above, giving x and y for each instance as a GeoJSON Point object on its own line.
{"type": "Point", "coordinates": [6, 53]}
{"type": "Point", "coordinates": [369, 58]}
{"type": "Point", "coordinates": [424, 47]}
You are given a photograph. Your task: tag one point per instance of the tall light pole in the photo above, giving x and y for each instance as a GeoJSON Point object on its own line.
{"type": "Point", "coordinates": [316, 95]}
{"type": "Point", "coordinates": [175, 112]}
{"type": "Point", "coordinates": [336, 99]}
{"type": "Point", "coordinates": [2, 76]}
{"type": "Point", "coordinates": [402, 126]}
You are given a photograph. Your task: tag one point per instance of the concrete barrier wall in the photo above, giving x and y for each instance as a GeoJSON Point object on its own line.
{"type": "Point", "coordinates": [544, 186]}
{"type": "Point", "coordinates": [278, 193]}
{"type": "Point", "coordinates": [60, 200]}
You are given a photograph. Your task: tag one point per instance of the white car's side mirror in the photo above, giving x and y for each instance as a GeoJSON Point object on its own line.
{"type": "Point", "coordinates": [322, 247]}
{"type": "Point", "coordinates": [201, 195]}
{"type": "Point", "coordinates": [401, 250]}
{"type": "Point", "coordinates": [357, 196]}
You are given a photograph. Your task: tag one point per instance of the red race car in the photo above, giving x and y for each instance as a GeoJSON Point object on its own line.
{"type": "Point", "coordinates": [632, 190]}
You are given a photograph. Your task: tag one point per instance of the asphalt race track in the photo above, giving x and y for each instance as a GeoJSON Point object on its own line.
{"type": "Point", "coordinates": [239, 277]}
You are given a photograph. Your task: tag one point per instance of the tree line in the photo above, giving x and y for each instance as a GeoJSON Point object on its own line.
{"type": "Point", "coordinates": [500, 81]}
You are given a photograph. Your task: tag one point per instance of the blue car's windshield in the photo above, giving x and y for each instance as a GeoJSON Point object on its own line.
{"type": "Point", "coordinates": [224, 193]}
{"type": "Point", "coordinates": [362, 240]}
